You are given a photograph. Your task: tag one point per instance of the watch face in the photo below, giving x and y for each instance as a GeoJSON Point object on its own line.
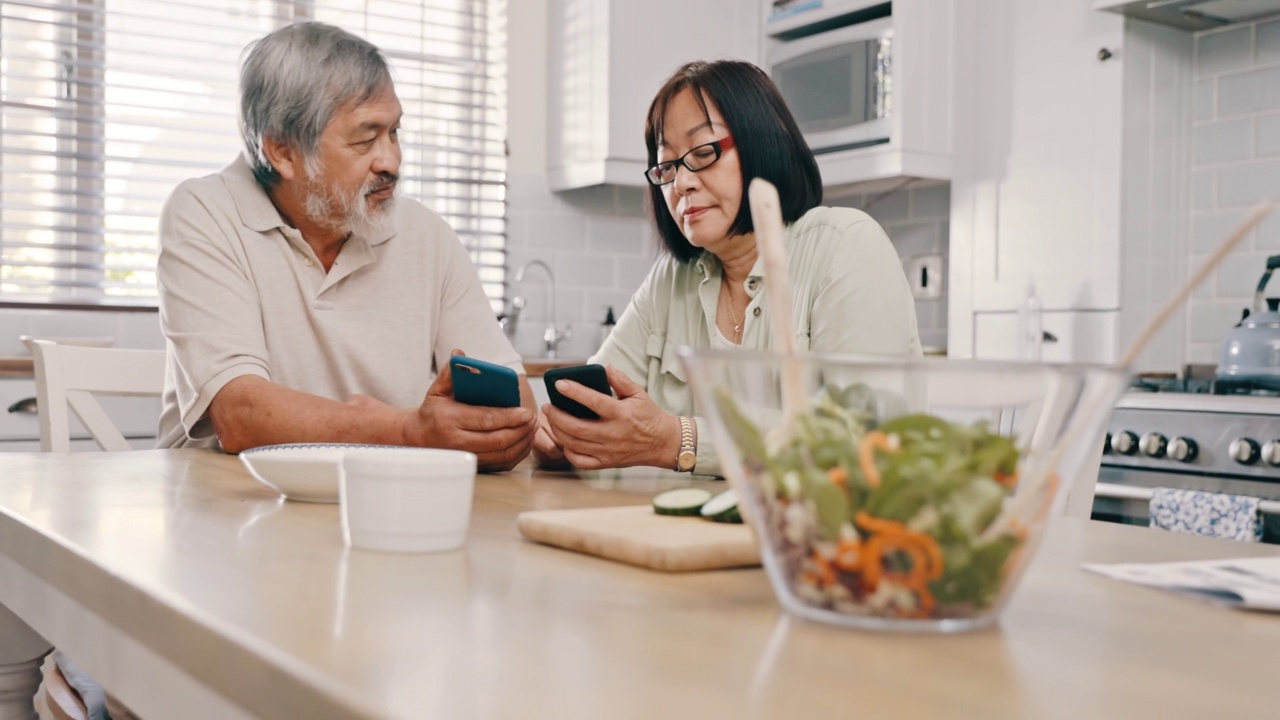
{"type": "Point", "coordinates": [687, 460]}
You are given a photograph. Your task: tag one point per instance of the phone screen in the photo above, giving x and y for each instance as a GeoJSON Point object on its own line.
{"type": "Point", "coordinates": [592, 376]}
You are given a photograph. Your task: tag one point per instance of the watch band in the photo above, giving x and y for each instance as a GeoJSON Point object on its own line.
{"type": "Point", "coordinates": [688, 455]}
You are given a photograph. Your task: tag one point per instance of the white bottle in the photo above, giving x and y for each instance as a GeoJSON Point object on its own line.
{"type": "Point", "coordinates": [1030, 326]}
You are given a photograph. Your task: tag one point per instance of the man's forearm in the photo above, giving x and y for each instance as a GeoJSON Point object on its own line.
{"type": "Point", "coordinates": [249, 412]}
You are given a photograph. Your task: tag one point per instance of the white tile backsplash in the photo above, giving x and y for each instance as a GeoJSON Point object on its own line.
{"type": "Point", "coordinates": [1236, 104]}
{"type": "Point", "coordinates": [1208, 228]}
{"type": "Point", "coordinates": [1222, 50]}
{"type": "Point", "coordinates": [1267, 41]}
{"type": "Point", "coordinates": [1225, 141]}
{"type": "Point", "coordinates": [1249, 92]}
{"type": "Point", "coordinates": [1248, 183]}
{"type": "Point", "coordinates": [917, 220]}
{"type": "Point", "coordinates": [599, 243]}
{"type": "Point", "coordinates": [1268, 141]}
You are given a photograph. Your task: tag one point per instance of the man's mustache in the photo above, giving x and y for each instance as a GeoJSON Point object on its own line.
{"type": "Point", "coordinates": [384, 180]}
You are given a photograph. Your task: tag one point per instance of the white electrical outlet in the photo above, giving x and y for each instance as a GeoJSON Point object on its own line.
{"type": "Point", "coordinates": [924, 272]}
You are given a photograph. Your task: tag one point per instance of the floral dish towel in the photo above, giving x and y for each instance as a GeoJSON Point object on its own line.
{"type": "Point", "coordinates": [1234, 517]}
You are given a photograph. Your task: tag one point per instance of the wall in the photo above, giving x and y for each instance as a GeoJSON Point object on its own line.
{"type": "Point", "coordinates": [597, 240]}
{"type": "Point", "coordinates": [917, 220]}
{"type": "Point", "coordinates": [1235, 162]}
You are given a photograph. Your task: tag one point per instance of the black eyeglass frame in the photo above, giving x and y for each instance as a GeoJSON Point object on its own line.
{"type": "Point", "coordinates": [654, 176]}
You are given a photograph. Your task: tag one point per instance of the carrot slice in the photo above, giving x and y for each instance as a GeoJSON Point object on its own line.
{"type": "Point", "coordinates": [872, 441]}
{"type": "Point", "coordinates": [838, 476]}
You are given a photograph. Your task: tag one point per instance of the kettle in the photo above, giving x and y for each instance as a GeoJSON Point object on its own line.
{"type": "Point", "coordinates": [1251, 350]}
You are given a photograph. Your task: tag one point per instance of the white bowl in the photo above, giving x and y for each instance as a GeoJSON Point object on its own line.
{"type": "Point", "coordinates": [307, 472]}
{"type": "Point", "coordinates": [406, 499]}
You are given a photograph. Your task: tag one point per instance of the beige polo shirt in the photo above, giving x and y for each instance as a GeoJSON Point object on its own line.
{"type": "Point", "coordinates": [850, 296]}
{"type": "Point", "coordinates": [241, 293]}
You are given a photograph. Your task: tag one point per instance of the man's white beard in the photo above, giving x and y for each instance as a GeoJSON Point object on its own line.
{"type": "Point", "coordinates": [354, 215]}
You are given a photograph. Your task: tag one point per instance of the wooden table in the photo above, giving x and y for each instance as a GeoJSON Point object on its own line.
{"type": "Point", "coordinates": [193, 592]}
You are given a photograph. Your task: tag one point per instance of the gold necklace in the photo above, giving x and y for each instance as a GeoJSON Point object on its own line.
{"type": "Point", "coordinates": [734, 316]}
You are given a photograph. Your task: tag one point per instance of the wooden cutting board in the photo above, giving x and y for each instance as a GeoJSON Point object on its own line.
{"type": "Point", "coordinates": [639, 536]}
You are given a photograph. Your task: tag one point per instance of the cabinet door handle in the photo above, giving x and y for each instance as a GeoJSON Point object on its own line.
{"type": "Point", "coordinates": [1049, 337]}
{"type": "Point", "coordinates": [25, 405]}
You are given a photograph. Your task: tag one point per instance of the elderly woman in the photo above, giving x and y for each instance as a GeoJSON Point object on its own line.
{"type": "Point", "coordinates": [711, 129]}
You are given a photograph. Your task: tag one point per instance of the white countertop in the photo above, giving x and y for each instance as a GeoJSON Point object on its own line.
{"type": "Point", "coordinates": [186, 559]}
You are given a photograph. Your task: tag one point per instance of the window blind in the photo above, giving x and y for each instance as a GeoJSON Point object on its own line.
{"type": "Point", "coordinates": [109, 104]}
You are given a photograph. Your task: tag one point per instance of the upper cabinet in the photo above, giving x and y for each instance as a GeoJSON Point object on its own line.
{"type": "Point", "coordinates": [869, 82]}
{"type": "Point", "coordinates": [609, 58]}
{"type": "Point", "coordinates": [1036, 190]}
{"type": "Point", "coordinates": [1047, 135]}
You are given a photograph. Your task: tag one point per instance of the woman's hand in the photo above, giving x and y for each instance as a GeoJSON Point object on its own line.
{"type": "Point", "coordinates": [546, 449]}
{"type": "Point", "coordinates": [632, 429]}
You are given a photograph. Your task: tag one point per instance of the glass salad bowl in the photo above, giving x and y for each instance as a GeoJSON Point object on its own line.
{"type": "Point", "coordinates": [899, 494]}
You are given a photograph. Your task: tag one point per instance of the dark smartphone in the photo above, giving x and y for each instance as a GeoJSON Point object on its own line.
{"type": "Point", "coordinates": [476, 382]}
{"type": "Point", "coordinates": [593, 376]}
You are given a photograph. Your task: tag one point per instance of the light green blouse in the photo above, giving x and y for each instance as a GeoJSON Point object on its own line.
{"type": "Point", "coordinates": [851, 296]}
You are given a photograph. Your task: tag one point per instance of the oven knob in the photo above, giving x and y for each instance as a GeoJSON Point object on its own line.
{"type": "Point", "coordinates": [1244, 451]}
{"type": "Point", "coordinates": [1124, 442]}
{"type": "Point", "coordinates": [1153, 444]}
{"type": "Point", "coordinates": [1183, 449]}
{"type": "Point", "coordinates": [1271, 452]}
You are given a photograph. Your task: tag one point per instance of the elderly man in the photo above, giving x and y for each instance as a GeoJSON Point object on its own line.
{"type": "Point", "coordinates": [301, 299]}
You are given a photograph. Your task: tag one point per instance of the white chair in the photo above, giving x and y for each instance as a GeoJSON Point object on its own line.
{"type": "Point", "coordinates": [68, 375]}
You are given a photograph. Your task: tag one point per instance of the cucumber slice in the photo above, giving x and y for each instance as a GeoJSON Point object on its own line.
{"type": "Point", "coordinates": [685, 501]}
{"type": "Point", "coordinates": [723, 508]}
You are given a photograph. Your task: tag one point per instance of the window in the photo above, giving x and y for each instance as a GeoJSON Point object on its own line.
{"type": "Point", "coordinates": [109, 104]}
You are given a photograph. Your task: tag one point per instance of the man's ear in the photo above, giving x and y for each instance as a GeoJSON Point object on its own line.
{"type": "Point", "coordinates": [285, 159]}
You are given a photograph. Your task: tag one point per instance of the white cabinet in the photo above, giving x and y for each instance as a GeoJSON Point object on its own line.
{"type": "Point", "coordinates": [1036, 187]}
{"type": "Point", "coordinates": [608, 58]}
{"type": "Point", "coordinates": [1082, 337]}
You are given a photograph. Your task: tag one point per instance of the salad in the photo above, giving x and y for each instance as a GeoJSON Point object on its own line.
{"type": "Point", "coordinates": [893, 518]}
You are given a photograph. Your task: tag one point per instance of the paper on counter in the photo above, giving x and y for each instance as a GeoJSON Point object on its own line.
{"type": "Point", "coordinates": [1250, 583]}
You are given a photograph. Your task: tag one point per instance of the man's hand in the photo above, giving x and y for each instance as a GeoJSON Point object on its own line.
{"type": "Point", "coordinates": [500, 437]}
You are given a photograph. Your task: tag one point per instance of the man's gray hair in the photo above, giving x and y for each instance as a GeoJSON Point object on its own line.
{"type": "Point", "coordinates": [294, 80]}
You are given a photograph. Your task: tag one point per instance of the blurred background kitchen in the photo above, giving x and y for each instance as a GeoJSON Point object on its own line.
{"type": "Point", "coordinates": [1079, 156]}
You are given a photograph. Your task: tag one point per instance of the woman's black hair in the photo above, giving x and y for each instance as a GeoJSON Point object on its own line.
{"type": "Point", "coordinates": [768, 142]}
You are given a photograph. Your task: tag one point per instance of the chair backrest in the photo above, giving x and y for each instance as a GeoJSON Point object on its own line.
{"type": "Point", "coordinates": [69, 376]}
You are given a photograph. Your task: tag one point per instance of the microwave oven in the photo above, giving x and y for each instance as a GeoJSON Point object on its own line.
{"type": "Point", "coordinates": [838, 84]}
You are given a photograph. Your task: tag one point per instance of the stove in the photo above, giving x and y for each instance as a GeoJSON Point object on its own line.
{"type": "Point", "coordinates": [1207, 435]}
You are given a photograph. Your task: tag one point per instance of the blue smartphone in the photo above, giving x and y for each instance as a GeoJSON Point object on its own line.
{"type": "Point", "coordinates": [476, 382]}
{"type": "Point", "coordinates": [592, 376]}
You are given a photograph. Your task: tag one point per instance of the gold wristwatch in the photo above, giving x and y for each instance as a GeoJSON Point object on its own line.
{"type": "Point", "coordinates": [688, 453]}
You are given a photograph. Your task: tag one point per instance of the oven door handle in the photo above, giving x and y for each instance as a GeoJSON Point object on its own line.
{"type": "Point", "coordinates": [1126, 492]}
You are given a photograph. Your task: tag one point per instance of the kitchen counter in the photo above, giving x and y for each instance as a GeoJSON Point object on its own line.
{"type": "Point", "coordinates": [194, 592]}
{"type": "Point", "coordinates": [17, 366]}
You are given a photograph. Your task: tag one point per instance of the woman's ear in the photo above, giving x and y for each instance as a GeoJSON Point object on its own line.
{"type": "Point", "coordinates": [285, 159]}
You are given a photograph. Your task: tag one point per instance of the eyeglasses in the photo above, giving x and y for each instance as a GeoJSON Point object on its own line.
{"type": "Point", "coordinates": [699, 158]}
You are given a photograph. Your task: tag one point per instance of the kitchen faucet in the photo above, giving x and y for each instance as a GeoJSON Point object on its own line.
{"type": "Point", "coordinates": [552, 336]}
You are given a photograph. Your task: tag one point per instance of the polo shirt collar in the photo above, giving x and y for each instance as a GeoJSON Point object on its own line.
{"type": "Point", "coordinates": [257, 211]}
